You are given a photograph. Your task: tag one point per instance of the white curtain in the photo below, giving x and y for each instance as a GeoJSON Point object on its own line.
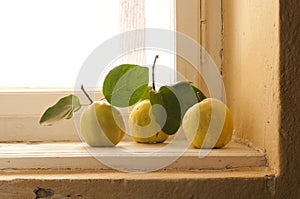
{"type": "Point", "coordinates": [132, 17]}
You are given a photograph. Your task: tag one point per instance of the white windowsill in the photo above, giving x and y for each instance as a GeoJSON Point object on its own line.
{"type": "Point", "coordinates": [73, 155]}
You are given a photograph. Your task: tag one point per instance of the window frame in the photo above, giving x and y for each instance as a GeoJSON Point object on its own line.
{"type": "Point", "coordinates": [21, 108]}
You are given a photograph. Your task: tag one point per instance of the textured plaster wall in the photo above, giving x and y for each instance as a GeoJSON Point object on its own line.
{"type": "Point", "coordinates": [289, 179]}
{"type": "Point", "coordinates": [251, 71]}
{"type": "Point", "coordinates": [262, 77]}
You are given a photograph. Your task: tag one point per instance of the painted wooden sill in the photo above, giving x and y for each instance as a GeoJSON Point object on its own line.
{"type": "Point", "coordinates": [75, 155]}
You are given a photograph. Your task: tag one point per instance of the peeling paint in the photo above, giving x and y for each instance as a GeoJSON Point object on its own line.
{"type": "Point", "coordinates": [43, 193]}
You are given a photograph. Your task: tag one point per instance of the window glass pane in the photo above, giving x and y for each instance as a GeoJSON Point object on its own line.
{"type": "Point", "coordinates": [43, 43]}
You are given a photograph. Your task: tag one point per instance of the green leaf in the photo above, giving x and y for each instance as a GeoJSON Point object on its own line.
{"type": "Point", "coordinates": [63, 109]}
{"type": "Point", "coordinates": [146, 93]}
{"type": "Point", "coordinates": [126, 84]}
{"type": "Point", "coordinates": [166, 98]}
{"type": "Point", "coordinates": [176, 100]}
{"type": "Point", "coordinates": [199, 93]}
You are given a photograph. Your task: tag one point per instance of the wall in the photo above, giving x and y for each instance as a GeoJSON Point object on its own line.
{"type": "Point", "coordinates": [251, 71]}
{"type": "Point", "coordinates": [261, 73]}
{"type": "Point", "coordinates": [288, 181]}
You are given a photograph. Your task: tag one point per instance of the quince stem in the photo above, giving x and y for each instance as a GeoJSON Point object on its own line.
{"type": "Point", "coordinates": [86, 94]}
{"type": "Point", "coordinates": [153, 66]}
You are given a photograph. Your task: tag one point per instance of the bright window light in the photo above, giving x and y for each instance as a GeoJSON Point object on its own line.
{"type": "Point", "coordinates": [43, 43]}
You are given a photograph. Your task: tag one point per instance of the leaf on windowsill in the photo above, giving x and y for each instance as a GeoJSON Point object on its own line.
{"type": "Point", "coordinates": [63, 109]}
